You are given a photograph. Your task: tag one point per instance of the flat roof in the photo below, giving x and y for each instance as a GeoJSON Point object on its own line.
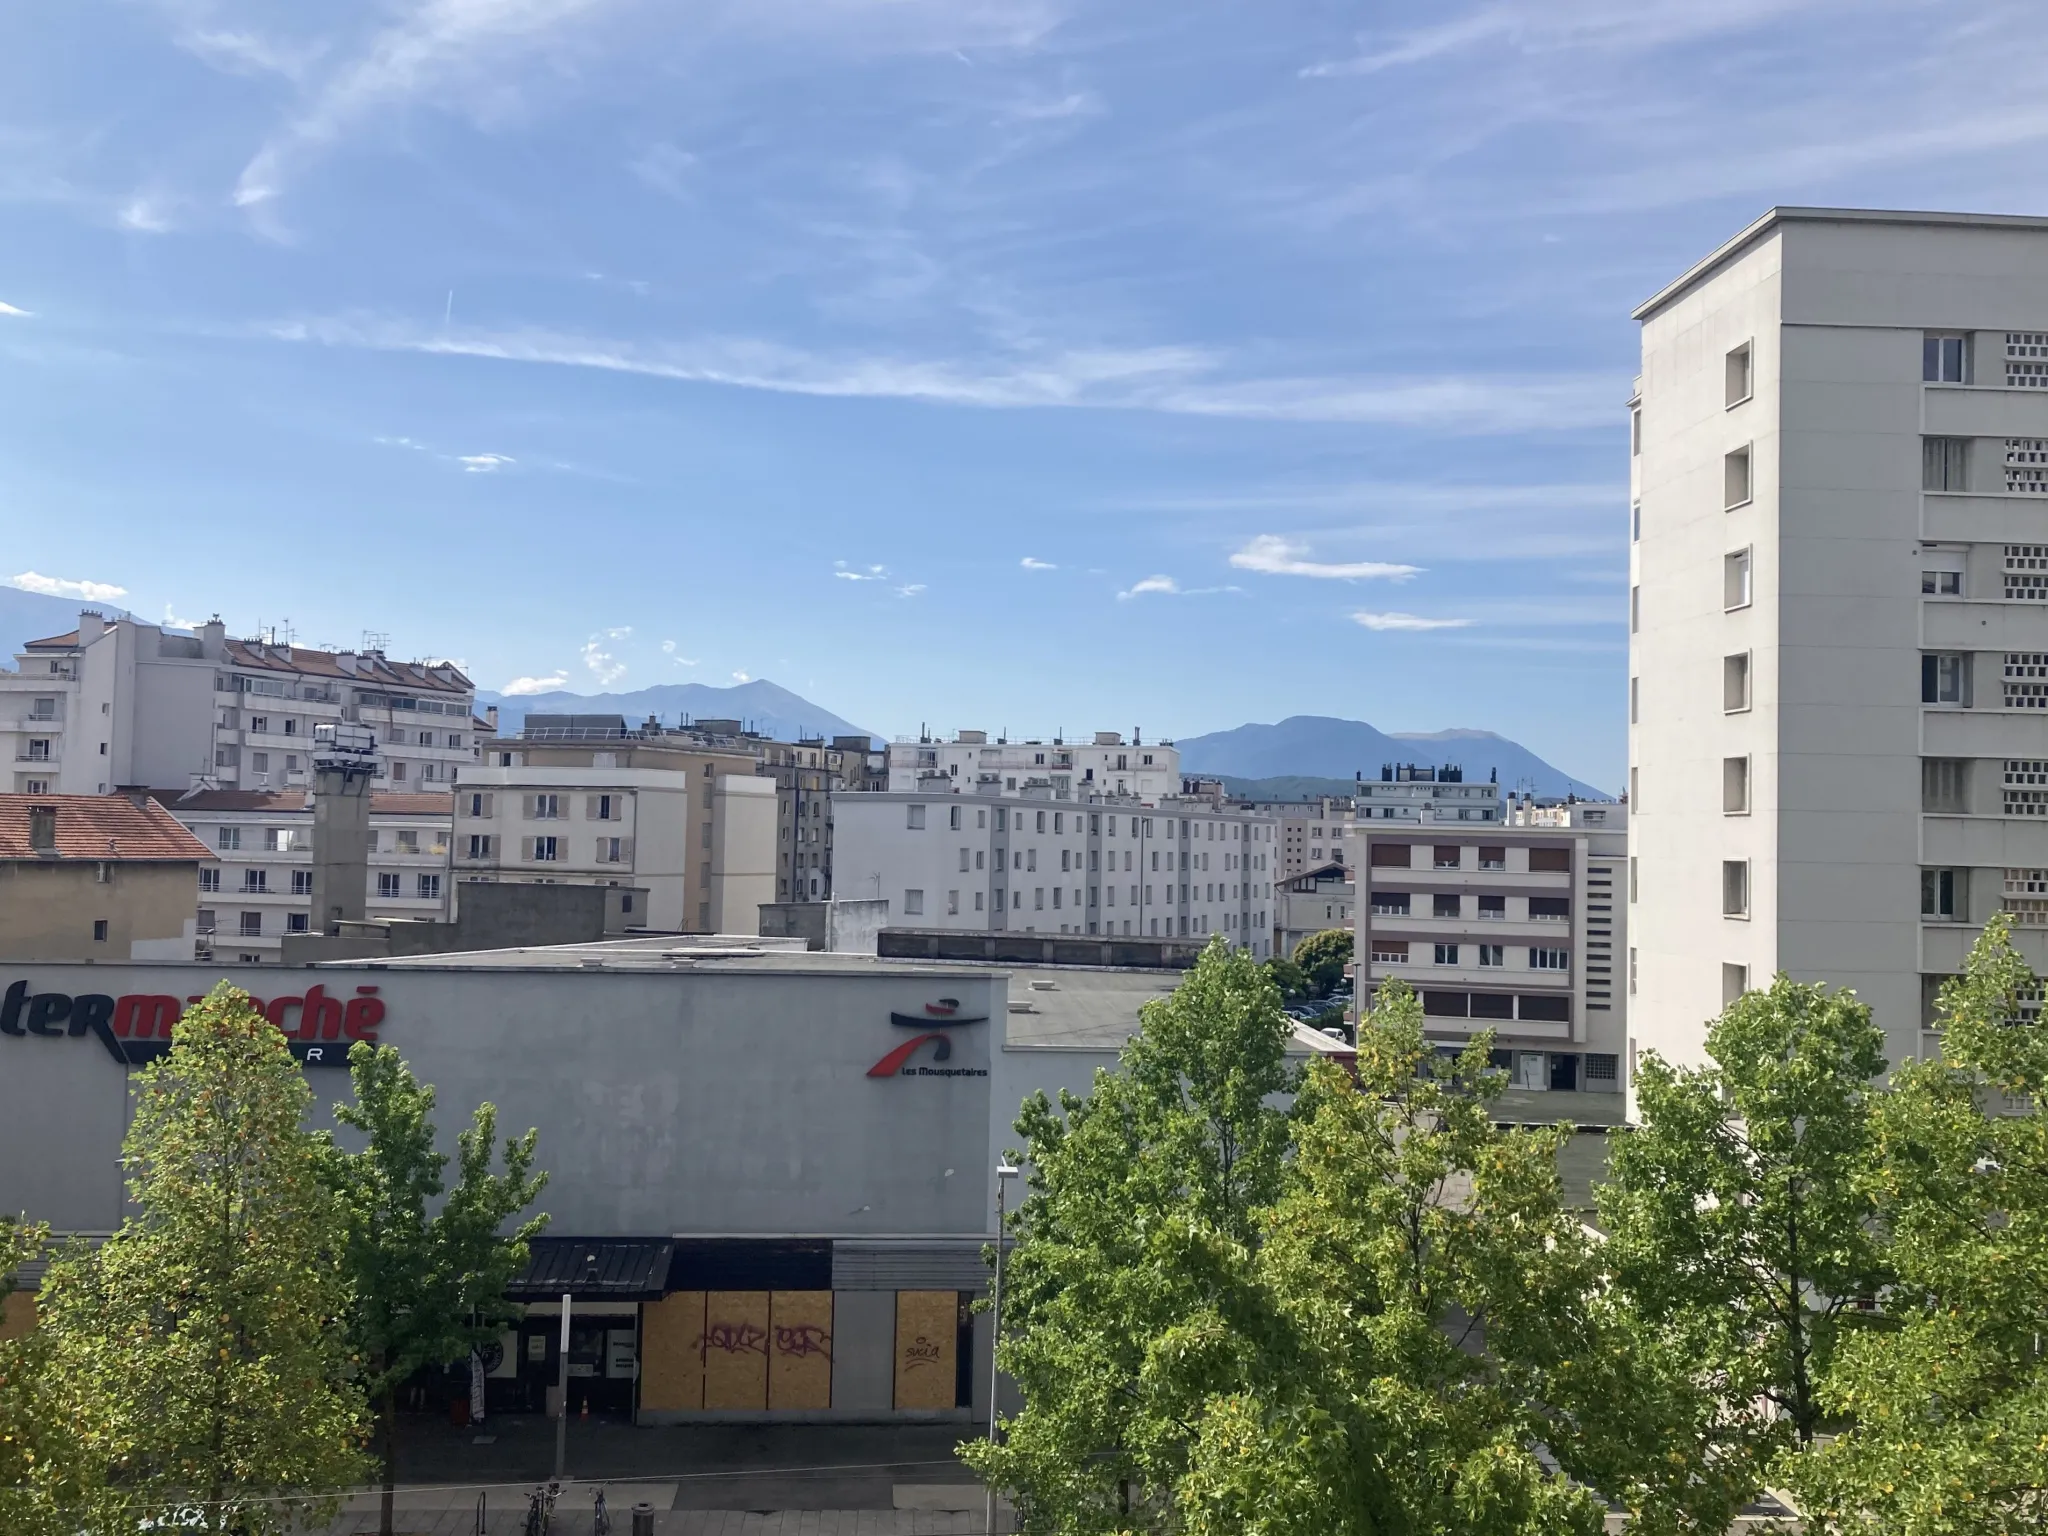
{"type": "Point", "coordinates": [1772, 218]}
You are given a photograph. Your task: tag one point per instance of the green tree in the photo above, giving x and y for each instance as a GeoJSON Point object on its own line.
{"type": "Point", "coordinates": [52, 1462]}
{"type": "Point", "coordinates": [208, 1333]}
{"type": "Point", "coordinates": [1740, 1230]}
{"type": "Point", "coordinates": [1946, 1391]}
{"type": "Point", "coordinates": [1288, 977]}
{"type": "Point", "coordinates": [1322, 958]}
{"type": "Point", "coordinates": [426, 1288]}
{"type": "Point", "coordinates": [1130, 1245]}
{"type": "Point", "coordinates": [1419, 1297]}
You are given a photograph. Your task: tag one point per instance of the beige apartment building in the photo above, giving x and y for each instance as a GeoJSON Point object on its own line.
{"type": "Point", "coordinates": [1838, 661]}
{"type": "Point", "coordinates": [1513, 928]}
{"type": "Point", "coordinates": [97, 877]}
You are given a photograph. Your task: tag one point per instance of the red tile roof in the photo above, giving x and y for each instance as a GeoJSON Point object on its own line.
{"type": "Point", "coordinates": [285, 801]}
{"type": "Point", "coordinates": [437, 677]}
{"type": "Point", "coordinates": [99, 827]}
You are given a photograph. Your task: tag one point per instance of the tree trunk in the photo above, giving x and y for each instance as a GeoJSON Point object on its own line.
{"type": "Point", "coordinates": [387, 1411]}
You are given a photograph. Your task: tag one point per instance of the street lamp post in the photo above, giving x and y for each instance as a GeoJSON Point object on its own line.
{"type": "Point", "coordinates": [1005, 1171]}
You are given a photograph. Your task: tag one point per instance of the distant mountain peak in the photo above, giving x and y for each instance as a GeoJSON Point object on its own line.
{"type": "Point", "coordinates": [759, 705]}
{"type": "Point", "coordinates": [1324, 747]}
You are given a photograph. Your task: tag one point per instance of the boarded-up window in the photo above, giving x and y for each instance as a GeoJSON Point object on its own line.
{"type": "Point", "coordinates": [927, 1345]}
{"type": "Point", "coordinates": [800, 1349]}
{"type": "Point", "coordinates": [736, 1349]}
{"type": "Point", "coordinates": [1556, 861]}
{"type": "Point", "coordinates": [1390, 855]}
{"type": "Point", "coordinates": [672, 1353]}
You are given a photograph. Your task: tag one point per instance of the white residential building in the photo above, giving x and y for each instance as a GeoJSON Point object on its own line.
{"type": "Point", "coordinates": [1839, 609]}
{"type": "Point", "coordinates": [701, 846]}
{"type": "Point", "coordinates": [1312, 902]}
{"type": "Point", "coordinates": [262, 887]}
{"type": "Point", "coordinates": [972, 764]}
{"type": "Point", "coordinates": [1316, 832]}
{"type": "Point", "coordinates": [121, 703]}
{"type": "Point", "coordinates": [1517, 929]}
{"type": "Point", "coordinates": [988, 862]}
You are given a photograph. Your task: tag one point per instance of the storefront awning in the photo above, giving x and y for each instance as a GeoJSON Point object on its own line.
{"type": "Point", "coordinates": [594, 1269]}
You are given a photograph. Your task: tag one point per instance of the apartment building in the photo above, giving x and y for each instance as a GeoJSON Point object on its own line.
{"type": "Point", "coordinates": [807, 775]}
{"type": "Point", "coordinates": [972, 764]}
{"type": "Point", "coordinates": [993, 862]}
{"type": "Point", "coordinates": [699, 842]}
{"type": "Point", "coordinates": [96, 877]}
{"type": "Point", "coordinates": [1838, 660]}
{"type": "Point", "coordinates": [1315, 832]}
{"type": "Point", "coordinates": [1517, 929]}
{"type": "Point", "coordinates": [119, 702]}
{"type": "Point", "coordinates": [1311, 902]}
{"type": "Point", "coordinates": [260, 886]}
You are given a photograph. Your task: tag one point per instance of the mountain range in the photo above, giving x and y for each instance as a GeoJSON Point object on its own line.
{"type": "Point", "coordinates": [1324, 754]}
{"type": "Point", "coordinates": [26, 616]}
{"type": "Point", "coordinates": [758, 705]}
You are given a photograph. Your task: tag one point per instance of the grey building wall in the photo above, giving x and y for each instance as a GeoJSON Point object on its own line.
{"type": "Point", "coordinates": [864, 1350]}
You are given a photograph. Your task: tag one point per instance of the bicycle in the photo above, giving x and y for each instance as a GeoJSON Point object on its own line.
{"type": "Point", "coordinates": [540, 1509]}
{"type": "Point", "coordinates": [600, 1517]}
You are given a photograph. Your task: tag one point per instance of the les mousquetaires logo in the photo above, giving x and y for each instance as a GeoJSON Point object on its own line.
{"type": "Point", "coordinates": [933, 1023]}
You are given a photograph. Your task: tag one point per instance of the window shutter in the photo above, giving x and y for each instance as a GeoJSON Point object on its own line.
{"type": "Point", "coordinates": [487, 805]}
{"type": "Point", "coordinates": [590, 807]}
{"type": "Point", "coordinates": [526, 807]}
{"type": "Point", "coordinates": [625, 850]}
{"type": "Point", "coordinates": [526, 848]}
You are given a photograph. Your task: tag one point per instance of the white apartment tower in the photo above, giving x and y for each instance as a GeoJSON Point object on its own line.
{"type": "Point", "coordinates": [1838, 605]}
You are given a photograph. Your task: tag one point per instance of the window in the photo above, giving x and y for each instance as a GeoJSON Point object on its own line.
{"type": "Point", "coordinates": [547, 808]}
{"type": "Point", "coordinates": [256, 881]}
{"type": "Point", "coordinates": [209, 877]}
{"type": "Point", "coordinates": [1550, 909]}
{"type": "Point", "coordinates": [1735, 683]}
{"type": "Point", "coordinates": [1941, 895]}
{"type": "Point", "coordinates": [387, 886]}
{"type": "Point", "coordinates": [1631, 970]}
{"type": "Point", "coordinates": [1387, 903]}
{"type": "Point", "coordinates": [611, 850]}
{"type": "Point", "coordinates": [260, 723]}
{"type": "Point", "coordinates": [606, 808]}
{"type": "Point", "coordinates": [1493, 909]}
{"type": "Point", "coordinates": [478, 805]}
{"type": "Point", "coordinates": [548, 850]}
{"type": "Point", "coordinates": [1492, 858]}
{"type": "Point", "coordinates": [1389, 951]}
{"type": "Point", "coordinates": [913, 817]}
{"type": "Point", "coordinates": [1635, 690]}
{"type": "Point", "coordinates": [1635, 521]}
{"type": "Point", "coordinates": [99, 930]}
{"type": "Point", "coordinates": [913, 901]}
{"type": "Point", "coordinates": [1942, 358]}
{"type": "Point", "coordinates": [1389, 856]}
{"type": "Point", "coordinates": [228, 839]}
{"type": "Point", "coordinates": [1635, 609]}
{"type": "Point", "coordinates": [39, 750]}
{"type": "Point", "coordinates": [1735, 479]}
{"type": "Point", "coordinates": [1944, 463]}
{"type": "Point", "coordinates": [1941, 583]}
{"type": "Point", "coordinates": [479, 846]}
{"type": "Point", "coordinates": [1446, 954]}
{"type": "Point", "coordinates": [370, 842]}
{"type": "Point", "coordinates": [1734, 786]}
{"type": "Point", "coordinates": [2025, 684]}
{"type": "Point", "coordinates": [297, 922]}
{"type": "Point", "coordinates": [252, 925]}
{"type": "Point", "coordinates": [1446, 858]}
{"type": "Point", "coordinates": [408, 841]}
{"type": "Point", "coordinates": [1635, 431]}
{"type": "Point", "coordinates": [1944, 785]}
{"type": "Point", "coordinates": [1492, 954]}
{"type": "Point", "coordinates": [429, 887]}
{"type": "Point", "coordinates": [1738, 376]}
{"type": "Point", "coordinates": [1735, 579]}
{"type": "Point", "coordinates": [1550, 861]}
{"type": "Point", "coordinates": [1735, 887]}
{"type": "Point", "coordinates": [1550, 959]}
{"type": "Point", "coordinates": [1442, 905]}
{"type": "Point", "coordinates": [302, 882]}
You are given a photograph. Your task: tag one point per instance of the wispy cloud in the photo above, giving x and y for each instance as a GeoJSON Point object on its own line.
{"type": "Point", "coordinates": [741, 677]}
{"type": "Point", "coordinates": [1405, 621]}
{"type": "Point", "coordinates": [601, 662]}
{"type": "Point", "coordinates": [674, 653]}
{"type": "Point", "coordinates": [552, 683]}
{"type": "Point", "coordinates": [145, 214]}
{"type": "Point", "coordinates": [847, 572]}
{"type": "Point", "coordinates": [247, 53]}
{"type": "Point", "coordinates": [60, 586]}
{"type": "Point", "coordinates": [484, 463]}
{"type": "Point", "coordinates": [21, 314]}
{"type": "Point", "coordinates": [1031, 564]}
{"type": "Point", "coordinates": [910, 590]}
{"type": "Point", "coordinates": [1275, 556]}
{"type": "Point", "coordinates": [1176, 380]}
{"type": "Point", "coordinates": [1163, 584]}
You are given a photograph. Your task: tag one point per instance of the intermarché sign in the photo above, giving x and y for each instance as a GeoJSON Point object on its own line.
{"type": "Point", "coordinates": [136, 1027]}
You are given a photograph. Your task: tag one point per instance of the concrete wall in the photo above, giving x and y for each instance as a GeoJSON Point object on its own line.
{"type": "Point", "coordinates": [841, 927]}
{"type": "Point", "coordinates": [742, 852]}
{"type": "Point", "coordinates": [47, 908]}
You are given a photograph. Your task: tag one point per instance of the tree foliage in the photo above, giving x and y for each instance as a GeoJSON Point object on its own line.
{"type": "Point", "coordinates": [1945, 1394]}
{"type": "Point", "coordinates": [1322, 958]}
{"type": "Point", "coordinates": [426, 1287]}
{"type": "Point", "coordinates": [1740, 1227]}
{"type": "Point", "coordinates": [1288, 977]}
{"type": "Point", "coordinates": [207, 1335]}
{"type": "Point", "coordinates": [52, 1455]}
{"type": "Point", "coordinates": [1131, 1241]}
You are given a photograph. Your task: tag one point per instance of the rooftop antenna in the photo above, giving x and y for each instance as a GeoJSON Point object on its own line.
{"type": "Point", "coordinates": [376, 640]}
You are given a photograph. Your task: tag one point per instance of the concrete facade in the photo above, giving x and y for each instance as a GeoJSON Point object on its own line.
{"type": "Point", "coordinates": [972, 764]}
{"type": "Point", "coordinates": [1837, 621]}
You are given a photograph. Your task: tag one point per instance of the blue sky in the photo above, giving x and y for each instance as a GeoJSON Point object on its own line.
{"type": "Point", "coordinates": [1021, 365]}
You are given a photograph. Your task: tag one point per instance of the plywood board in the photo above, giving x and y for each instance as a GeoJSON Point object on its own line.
{"type": "Point", "coordinates": [735, 1349]}
{"type": "Point", "coordinates": [927, 1345]}
{"type": "Point", "coordinates": [672, 1353]}
{"type": "Point", "coordinates": [800, 1349]}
